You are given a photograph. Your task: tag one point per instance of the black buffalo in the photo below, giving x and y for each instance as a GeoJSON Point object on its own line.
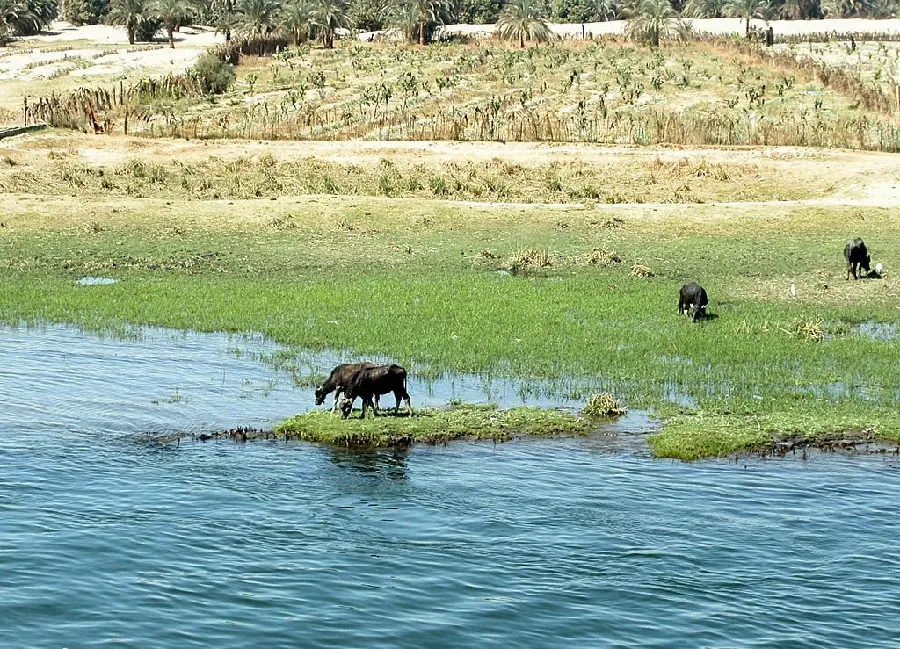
{"type": "Point", "coordinates": [369, 383]}
{"type": "Point", "coordinates": [692, 299]}
{"type": "Point", "coordinates": [856, 254]}
{"type": "Point", "coordinates": [338, 380]}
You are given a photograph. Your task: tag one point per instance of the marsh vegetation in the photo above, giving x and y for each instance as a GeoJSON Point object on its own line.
{"type": "Point", "coordinates": [427, 283]}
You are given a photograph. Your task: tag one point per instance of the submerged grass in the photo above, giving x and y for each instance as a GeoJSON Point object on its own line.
{"type": "Point", "coordinates": [432, 426]}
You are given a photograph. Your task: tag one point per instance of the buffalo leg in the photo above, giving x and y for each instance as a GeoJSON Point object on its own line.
{"type": "Point", "coordinates": [403, 395]}
{"type": "Point", "coordinates": [367, 401]}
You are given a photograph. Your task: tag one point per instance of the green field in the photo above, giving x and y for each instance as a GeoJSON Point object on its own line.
{"type": "Point", "coordinates": [530, 292]}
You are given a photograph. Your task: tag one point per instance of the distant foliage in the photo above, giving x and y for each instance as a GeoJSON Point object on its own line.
{"type": "Point", "coordinates": [585, 11]}
{"type": "Point", "coordinates": [479, 12]}
{"type": "Point", "coordinates": [368, 15]}
{"type": "Point", "coordinates": [213, 75]}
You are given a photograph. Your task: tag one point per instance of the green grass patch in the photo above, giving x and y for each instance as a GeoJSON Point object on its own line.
{"type": "Point", "coordinates": [432, 426]}
{"type": "Point", "coordinates": [703, 434]}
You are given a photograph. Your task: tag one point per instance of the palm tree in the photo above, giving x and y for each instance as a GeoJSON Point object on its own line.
{"type": "Point", "coordinates": [257, 17]}
{"type": "Point", "coordinates": [13, 13]}
{"type": "Point", "coordinates": [521, 20]}
{"type": "Point", "coordinates": [652, 20]}
{"type": "Point", "coordinates": [329, 16]}
{"type": "Point", "coordinates": [295, 18]}
{"type": "Point", "coordinates": [172, 13]}
{"type": "Point", "coordinates": [704, 8]}
{"type": "Point", "coordinates": [747, 9]}
{"type": "Point", "coordinates": [130, 13]}
{"type": "Point", "coordinates": [225, 18]}
{"type": "Point", "coordinates": [426, 14]}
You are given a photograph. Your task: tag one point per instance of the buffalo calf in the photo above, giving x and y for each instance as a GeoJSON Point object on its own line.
{"type": "Point", "coordinates": [857, 255]}
{"type": "Point", "coordinates": [692, 299]}
{"type": "Point", "coordinates": [338, 380]}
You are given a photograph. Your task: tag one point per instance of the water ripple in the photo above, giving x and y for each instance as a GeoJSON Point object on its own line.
{"type": "Point", "coordinates": [538, 543]}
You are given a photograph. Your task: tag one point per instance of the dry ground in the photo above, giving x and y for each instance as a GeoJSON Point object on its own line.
{"type": "Point", "coordinates": [830, 177]}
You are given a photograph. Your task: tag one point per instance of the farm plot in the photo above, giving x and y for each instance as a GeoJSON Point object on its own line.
{"type": "Point", "coordinates": [700, 93]}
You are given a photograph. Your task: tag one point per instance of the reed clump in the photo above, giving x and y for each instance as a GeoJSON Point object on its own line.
{"type": "Point", "coordinates": [528, 259]}
{"type": "Point", "coordinates": [601, 257]}
{"type": "Point", "coordinates": [604, 404]}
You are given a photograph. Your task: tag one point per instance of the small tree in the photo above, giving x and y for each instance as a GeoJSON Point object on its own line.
{"type": "Point", "coordinates": [172, 13]}
{"type": "Point", "coordinates": [329, 16]}
{"type": "Point", "coordinates": [129, 13]}
{"type": "Point", "coordinates": [521, 20]}
{"type": "Point", "coordinates": [213, 75]}
{"type": "Point", "coordinates": [652, 20]}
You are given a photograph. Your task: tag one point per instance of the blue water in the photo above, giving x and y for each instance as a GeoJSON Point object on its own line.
{"type": "Point", "coordinates": [108, 541]}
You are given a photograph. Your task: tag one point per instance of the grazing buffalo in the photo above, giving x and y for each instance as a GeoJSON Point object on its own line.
{"type": "Point", "coordinates": [338, 381]}
{"type": "Point", "coordinates": [692, 299]}
{"type": "Point", "coordinates": [369, 383]}
{"type": "Point", "coordinates": [856, 255]}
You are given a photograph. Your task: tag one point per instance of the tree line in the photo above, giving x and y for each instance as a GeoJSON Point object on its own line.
{"type": "Point", "coordinates": [303, 20]}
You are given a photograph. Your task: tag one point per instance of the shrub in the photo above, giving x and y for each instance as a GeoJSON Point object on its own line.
{"type": "Point", "coordinates": [213, 75]}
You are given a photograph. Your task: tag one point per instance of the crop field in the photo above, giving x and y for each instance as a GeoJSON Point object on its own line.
{"type": "Point", "coordinates": [604, 92]}
{"type": "Point", "coordinates": [874, 62]}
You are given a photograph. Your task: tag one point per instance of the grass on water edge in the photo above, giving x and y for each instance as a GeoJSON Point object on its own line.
{"type": "Point", "coordinates": [418, 282]}
{"type": "Point", "coordinates": [432, 425]}
{"type": "Point", "coordinates": [695, 435]}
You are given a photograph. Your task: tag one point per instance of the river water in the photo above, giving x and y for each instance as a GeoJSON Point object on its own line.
{"type": "Point", "coordinates": [106, 540]}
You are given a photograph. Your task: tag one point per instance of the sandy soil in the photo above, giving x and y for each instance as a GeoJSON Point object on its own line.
{"type": "Point", "coordinates": [63, 32]}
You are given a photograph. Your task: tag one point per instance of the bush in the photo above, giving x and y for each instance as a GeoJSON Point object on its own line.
{"type": "Point", "coordinates": [213, 75]}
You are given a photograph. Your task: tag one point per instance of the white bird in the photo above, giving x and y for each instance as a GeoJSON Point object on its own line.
{"type": "Point", "coordinates": [792, 291]}
{"type": "Point", "coordinates": [878, 268]}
